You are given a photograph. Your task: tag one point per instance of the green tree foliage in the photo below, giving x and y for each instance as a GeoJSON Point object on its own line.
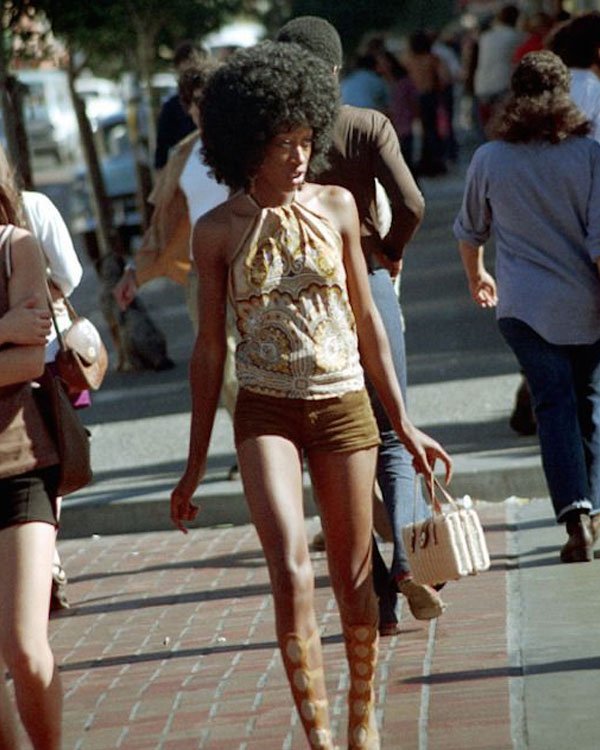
{"type": "Point", "coordinates": [123, 30]}
{"type": "Point", "coordinates": [354, 20]}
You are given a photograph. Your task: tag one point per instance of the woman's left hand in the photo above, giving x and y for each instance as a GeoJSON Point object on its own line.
{"type": "Point", "coordinates": [425, 452]}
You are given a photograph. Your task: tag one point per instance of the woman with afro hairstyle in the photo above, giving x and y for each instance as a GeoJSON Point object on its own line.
{"type": "Point", "coordinates": [537, 187]}
{"type": "Point", "coordinates": [286, 254]}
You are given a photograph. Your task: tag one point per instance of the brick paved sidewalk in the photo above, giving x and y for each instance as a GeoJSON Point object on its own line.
{"type": "Point", "coordinates": [170, 644]}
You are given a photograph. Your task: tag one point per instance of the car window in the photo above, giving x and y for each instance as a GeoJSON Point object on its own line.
{"type": "Point", "coordinates": [117, 140]}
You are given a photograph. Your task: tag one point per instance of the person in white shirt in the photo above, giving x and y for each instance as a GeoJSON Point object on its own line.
{"type": "Point", "coordinates": [494, 63]}
{"type": "Point", "coordinates": [577, 43]}
{"type": "Point", "coordinates": [64, 269]}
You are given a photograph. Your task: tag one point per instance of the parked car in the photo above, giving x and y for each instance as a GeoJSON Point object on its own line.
{"type": "Point", "coordinates": [50, 119]}
{"type": "Point", "coordinates": [117, 163]}
{"type": "Point", "coordinates": [102, 97]}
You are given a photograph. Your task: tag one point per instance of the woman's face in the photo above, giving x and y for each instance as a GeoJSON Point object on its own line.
{"type": "Point", "coordinates": [286, 159]}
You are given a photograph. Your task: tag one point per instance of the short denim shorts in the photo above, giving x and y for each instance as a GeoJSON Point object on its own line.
{"type": "Point", "coordinates": [339, 425]}
{"type": "Point", "coordinates": [29, 497]}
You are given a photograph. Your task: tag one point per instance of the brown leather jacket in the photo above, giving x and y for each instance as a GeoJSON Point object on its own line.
{"type": "Point", "coordinates": [165, 248]}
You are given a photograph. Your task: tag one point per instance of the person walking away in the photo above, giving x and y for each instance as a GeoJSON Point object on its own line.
{"type": "Point", "coordinates": [496, 49]}
{"type": "Point", "coordinates": [536, 185]}
{"type": "Point", "coordinates": [403, 102]}
{"type": "Point", "coordinates": [429, 76]}
{"type": "Point", "coordinates": [577, 43]}
{"type": "Point", "coordinates": [538, 26]}
{"type": "Point", "coordinates": [363, 87]}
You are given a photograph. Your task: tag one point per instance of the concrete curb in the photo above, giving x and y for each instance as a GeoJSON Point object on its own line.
{"type": "Point", "coordinates": [223, 503]}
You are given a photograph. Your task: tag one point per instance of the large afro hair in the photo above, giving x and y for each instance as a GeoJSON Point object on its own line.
{"type": "Point", "coordinates": [260, 92]}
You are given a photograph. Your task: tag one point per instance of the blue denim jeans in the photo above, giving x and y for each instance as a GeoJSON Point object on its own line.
{"type": "Point", "coordinates": [564, 381]}
{"type": "Point", "coordinates": [395, 472]}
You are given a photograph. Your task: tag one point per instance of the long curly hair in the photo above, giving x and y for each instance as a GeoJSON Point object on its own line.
{"type": "Point", "coordinates": [11, 203]}
{"type": "Point", "coordinates": [538, 107]}
{"type": "Point", "coordinates": [258, 93]}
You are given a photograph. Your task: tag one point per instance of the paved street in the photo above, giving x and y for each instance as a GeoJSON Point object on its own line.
{"type": "Point", "coordinates": [170, 643]}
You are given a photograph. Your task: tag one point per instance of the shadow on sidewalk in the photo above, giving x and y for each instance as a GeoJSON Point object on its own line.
{"type": "Point", "coordinates": [567, 665]}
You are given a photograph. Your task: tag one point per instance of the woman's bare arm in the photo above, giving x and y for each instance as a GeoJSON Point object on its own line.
{"type": "Point", "coordinates": [208, 357]}
{"type": "Point", "coordinates": [19, 363]}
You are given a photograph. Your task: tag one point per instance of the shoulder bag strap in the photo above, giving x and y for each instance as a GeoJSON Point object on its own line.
{"type": "Point", "coordinates": [59, 336]}
{"type": "Point", "coordinates": [5, 235]}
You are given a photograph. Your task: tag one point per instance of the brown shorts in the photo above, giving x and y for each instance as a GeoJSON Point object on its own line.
{"type": "Point", "coordinates": [29, 497]}
{"type": "Point", "coordinates": [340, 424]}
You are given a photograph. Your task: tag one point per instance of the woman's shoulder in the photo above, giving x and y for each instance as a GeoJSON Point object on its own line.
{"type": "Point", "coordinates": [185, 145]}
{"type": "Point", "coordinates": [25, 250]}
{"type": "Point", "coordinates": [22, 235]}
{"type": "Point", "coordinates": [492, 151]}
{"type": "Point", "coordinates": [218, 221]}
{"type": "Point", "coordinates": [329, 195]}
{"type": "Point", "coordinates": [333, 203]}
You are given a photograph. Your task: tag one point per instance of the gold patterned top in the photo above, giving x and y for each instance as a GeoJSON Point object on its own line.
{"type": "Point", "coordinates": [287, 287]}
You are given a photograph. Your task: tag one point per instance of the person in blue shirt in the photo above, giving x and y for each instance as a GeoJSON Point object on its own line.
{"type": "Point", "coordinates": [536, 186]}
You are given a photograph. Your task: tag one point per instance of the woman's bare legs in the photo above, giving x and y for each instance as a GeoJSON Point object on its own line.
{"type": "Point", "coordinates": [8, 727]}
{"type": "Point", "coordinates": [271, 468]}
{"type": "Point", "coordinates": [26, 552]}
{"type": "Point", "coordinates": [344, 483]}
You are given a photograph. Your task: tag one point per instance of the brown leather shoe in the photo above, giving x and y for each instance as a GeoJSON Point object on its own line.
{"type": "Point", "coordinates": [580, 544]}
{"type": "Point", "coordinates": [596, 534]}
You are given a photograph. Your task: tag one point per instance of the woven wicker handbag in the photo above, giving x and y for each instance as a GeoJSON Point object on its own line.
{"type": "Point", "coordinates": [449, 545]}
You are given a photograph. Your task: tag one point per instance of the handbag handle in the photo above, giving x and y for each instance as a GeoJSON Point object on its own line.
{"type": "Point", "coordinates": [446, 495]}
{"type": "Point", "coordinates": [59, 336]}
{"type": "Point", "coordinates": [433, 487]}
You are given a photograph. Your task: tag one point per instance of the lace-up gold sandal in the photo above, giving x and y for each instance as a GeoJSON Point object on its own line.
{"type": "Point", "coordinates": [308, 689]}
{"type": "Point", "coordinates": [361, 649]}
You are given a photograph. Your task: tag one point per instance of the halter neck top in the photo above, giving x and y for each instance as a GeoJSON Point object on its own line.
{"type": "Point", "coordinates": [287, 288]}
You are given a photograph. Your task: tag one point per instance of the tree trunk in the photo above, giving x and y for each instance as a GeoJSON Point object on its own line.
{"type": "Point", "coordinates": [144, 113]}
{"type": "Point", "coordinates": [12, 112]}
{"type": "Point", "coordinates": [140, 345]}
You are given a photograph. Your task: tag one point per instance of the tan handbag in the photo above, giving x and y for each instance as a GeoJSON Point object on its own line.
{"type": "Point", "coordinates": [449, 545]}
{"type": "Point", "coordinates": [71, 437]}
{"type": "Point", "coordinates": [82, 359]}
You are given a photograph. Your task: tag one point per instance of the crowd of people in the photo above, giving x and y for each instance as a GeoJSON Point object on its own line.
{"type": "Point", "coordinates": [269, 211]}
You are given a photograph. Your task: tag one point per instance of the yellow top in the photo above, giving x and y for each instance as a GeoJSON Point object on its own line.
{"type": "Point", "coordinates": [287, 287]}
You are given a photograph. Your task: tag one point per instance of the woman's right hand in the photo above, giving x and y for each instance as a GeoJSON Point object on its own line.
{"type": "Point", "coordinates": [183, 509]}
{"type": "Point", "coordinates": [483, 289]}
{"type": "Point", "coordinates": [26, 325]}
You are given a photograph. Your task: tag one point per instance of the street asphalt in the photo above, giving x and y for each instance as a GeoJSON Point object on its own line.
{"type": "Point", "coordinates": [169, 643]}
